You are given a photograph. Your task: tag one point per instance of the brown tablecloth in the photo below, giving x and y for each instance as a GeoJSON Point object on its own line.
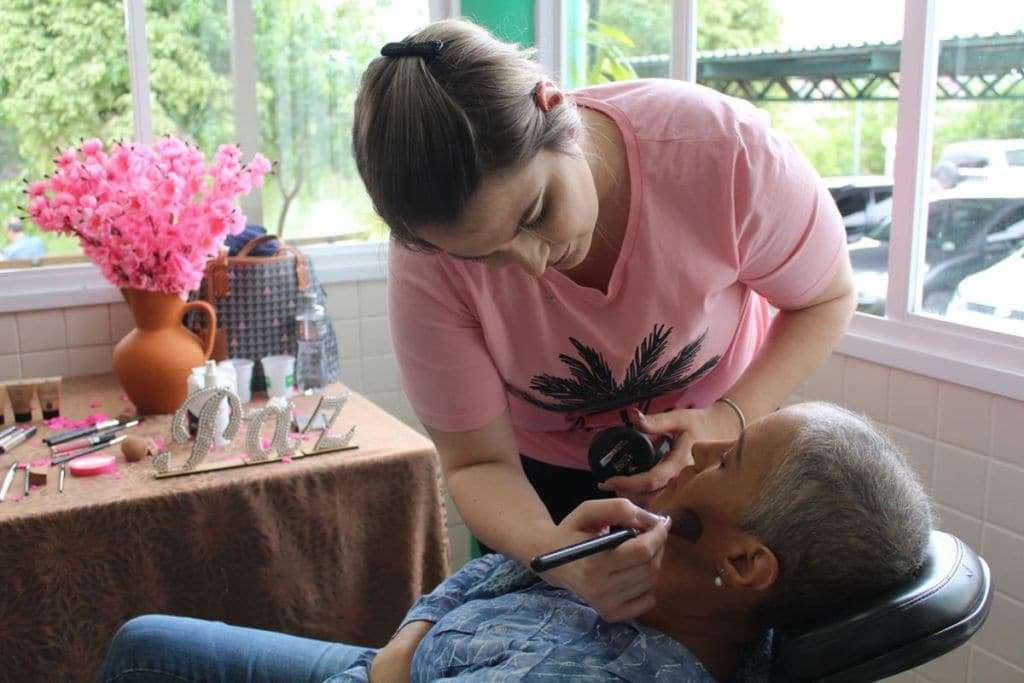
{"type": "Point", "coordinates": [335, 547]}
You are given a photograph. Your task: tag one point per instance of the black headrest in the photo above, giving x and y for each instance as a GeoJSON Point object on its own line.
{"type": "Point", "coordinates": [940, 608]}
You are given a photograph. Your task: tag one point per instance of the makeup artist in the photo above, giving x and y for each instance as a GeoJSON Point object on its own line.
{"type": "Point", "coordinates": [566, 262]}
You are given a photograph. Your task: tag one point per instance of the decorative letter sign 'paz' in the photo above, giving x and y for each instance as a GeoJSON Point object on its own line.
{"type": "Point", "coordinates": [209, 402]}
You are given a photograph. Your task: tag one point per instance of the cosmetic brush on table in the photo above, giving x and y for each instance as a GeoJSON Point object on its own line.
{"type": "Point", "coordinates": [17, 438]}
{"type": "Point", "coordinates": [101, 437]}
{"type": "Point", "coordinates": [106, 425]}
{"type": "Point", "coordinates": [85, 451]}
{"type": "Point", "coordinates": [7, 480]}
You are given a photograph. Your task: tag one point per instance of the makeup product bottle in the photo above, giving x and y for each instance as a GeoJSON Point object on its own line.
{"type": "Point", "coordinates": [311, 332]}
{"type": "Point", "coordinates": [48, 392]}
{"type": "Point", "coordinates": [213, 378]}
{"type": "Point", "coordinates": [195, 383]}
{"type": "Point", "coordinates": [21, 400]}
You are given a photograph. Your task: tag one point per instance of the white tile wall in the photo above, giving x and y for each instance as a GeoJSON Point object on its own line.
{"type": "Point", "coordinates": [41, 330]}
{"type": "Point", "coordinates": [914, 402]}
{"type": "Point", "coordinates": [8, 334]}
{"type": "Point", "coordinates": [87, 325]}
{"type": "Point", "coordinates": [967, 446]}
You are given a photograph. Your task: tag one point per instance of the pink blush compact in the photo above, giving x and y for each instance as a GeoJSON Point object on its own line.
{"type": "Point", "coordinates": [91, 465]}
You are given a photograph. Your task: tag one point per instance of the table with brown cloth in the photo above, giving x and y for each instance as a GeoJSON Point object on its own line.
{"type": "Point", "coordinates": [335, 547]}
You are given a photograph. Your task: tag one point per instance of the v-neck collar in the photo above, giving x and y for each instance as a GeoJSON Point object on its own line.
{"type": "Point", "coordinates": [563, 282]}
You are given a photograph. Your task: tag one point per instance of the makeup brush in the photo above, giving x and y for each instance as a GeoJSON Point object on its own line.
{"type": "Point", "coordinates": [85, 451]}
{"type": "Point", "coordinates": [577, 551]}
{"type": "Point", "coordinates": [102, 437]}
{"type": "Point", "coordinates": [64, 437]}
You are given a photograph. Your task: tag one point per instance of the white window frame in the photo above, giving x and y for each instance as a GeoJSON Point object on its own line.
{"type": "Point", "coordinates": [973, 357]}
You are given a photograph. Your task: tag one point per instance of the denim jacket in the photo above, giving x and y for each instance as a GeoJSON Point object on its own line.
{"type": "Point", "coordinates": [495, 620]}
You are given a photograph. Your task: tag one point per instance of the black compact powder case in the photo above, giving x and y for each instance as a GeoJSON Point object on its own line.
{"type": "Point", "coordinates": [623, 451]}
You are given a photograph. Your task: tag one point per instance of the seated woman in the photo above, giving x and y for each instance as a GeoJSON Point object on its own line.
{"type": "Point", "coordinates": [809, 510]}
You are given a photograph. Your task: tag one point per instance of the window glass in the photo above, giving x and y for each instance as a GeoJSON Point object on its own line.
{"type": "Point", "coordinates": [977, 168]}
{"type": "Point", "coordinates": [63, 77]}
{"type": "Point", "coordinates": [616, 40]}
{"type": "Point", "coordinates": [309, 57]}
{"type": "Point", "coordinates": [826, 73]}
{"type": "Point", "coordinates": [190, 71]}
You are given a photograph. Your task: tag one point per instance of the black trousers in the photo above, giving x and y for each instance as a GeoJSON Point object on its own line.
{"type": "Point", "coordinates": [561, 489]}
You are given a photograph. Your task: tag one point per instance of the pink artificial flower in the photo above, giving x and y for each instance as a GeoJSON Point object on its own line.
{"type": "Point", "coordinates": [148, 217]}
{"type": "Point", "coordinates": [92, 147]}
{"type": "Point", "coordinates": [260, 165]}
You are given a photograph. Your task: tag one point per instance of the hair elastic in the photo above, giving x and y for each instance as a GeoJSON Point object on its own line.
{"type": "Point", "coordinates": [428, 49]}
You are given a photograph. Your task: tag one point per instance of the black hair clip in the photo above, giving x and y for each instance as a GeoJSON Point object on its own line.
{"type": "Point", "coordinates": [428, 49]}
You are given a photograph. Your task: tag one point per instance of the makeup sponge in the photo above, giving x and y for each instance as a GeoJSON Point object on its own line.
{"type": "Point", "coordinates": [135, 448]}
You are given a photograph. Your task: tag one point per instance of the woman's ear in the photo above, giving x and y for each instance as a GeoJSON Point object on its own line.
{"type": "Point", "coordinates": [749, 565]}
{"type": "Point", "coordinates": [547, 95]}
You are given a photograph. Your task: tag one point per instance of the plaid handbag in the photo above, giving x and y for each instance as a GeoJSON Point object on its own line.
{"type": "Point", "coordinates": [256, 300]}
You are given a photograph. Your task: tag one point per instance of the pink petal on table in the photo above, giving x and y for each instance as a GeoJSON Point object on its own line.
{"type": "Point", "coordinates": [96, 418]}
{"type": "Point", "coordinates": [116, 474]}
{"type": "Point", "coordinates": [160, 444]}
{"type": "Point", "coordinates": [14, 498]}
{"type": "Point", "coordinates": [265, 443]}
{"type": "Point", "coordinates": [308, 437]}
{"type": "Point", "coordinates": [286, 459]}
{"type": "Point", "coordinates": [42, 462]}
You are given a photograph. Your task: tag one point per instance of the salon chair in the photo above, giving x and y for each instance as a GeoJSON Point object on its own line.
{"type": "Point", "coordinates": [945, 603]}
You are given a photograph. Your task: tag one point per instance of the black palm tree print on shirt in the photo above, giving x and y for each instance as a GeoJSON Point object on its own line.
{"type": "Point", "coordinates": [591, 387]}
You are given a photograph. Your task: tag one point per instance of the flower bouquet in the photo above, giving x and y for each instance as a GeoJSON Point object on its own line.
{"type": "Point", "coordinates": [150, 217]}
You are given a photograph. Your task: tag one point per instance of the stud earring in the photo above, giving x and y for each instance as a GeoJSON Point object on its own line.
{"type": "Point", "coordinates": [718, 580]}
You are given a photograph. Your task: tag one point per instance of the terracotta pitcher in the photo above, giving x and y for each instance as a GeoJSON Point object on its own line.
{"type": "Point", "coordinates": [152, 362]}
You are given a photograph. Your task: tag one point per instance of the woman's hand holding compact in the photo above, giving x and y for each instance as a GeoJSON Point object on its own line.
{"type": "Point", "coordinates": [686, 427]}
{"type": "Point", "coordinates": [617, 583]}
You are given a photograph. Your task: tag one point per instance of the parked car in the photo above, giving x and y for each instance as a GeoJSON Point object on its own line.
{"type": "Point", "coordinates": [863, 201]}
{"type": "Point", "coordinates": [980, 160]}
{"type": "Point", "coordinates": [993, 297]}
{"type": "Point", "coordinates": [969, 229]}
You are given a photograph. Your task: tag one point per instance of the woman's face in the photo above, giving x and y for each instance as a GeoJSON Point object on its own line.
{"type": "Point", "coordinates": [726, 476]}
{"type": "Point", "coordinates": [538, 216]}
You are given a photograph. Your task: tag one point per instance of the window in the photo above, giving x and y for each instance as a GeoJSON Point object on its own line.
{"type": "Point", "coordinates": [309, 59]}
{"type": "Point", "coordinates": [615, 40]}
{"type": "Point", "coordinates": [976, 167]}
{"type": "Point", "coordinates": [190, 71]}
{"type": "Point", "coordinates": [63, 76]}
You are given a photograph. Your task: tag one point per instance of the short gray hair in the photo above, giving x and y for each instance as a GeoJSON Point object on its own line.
{"type": "Point", "coordinates": [844, 514]}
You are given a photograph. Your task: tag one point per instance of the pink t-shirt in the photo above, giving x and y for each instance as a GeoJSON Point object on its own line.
{"type": "Point", "coordinates": [725, 217]}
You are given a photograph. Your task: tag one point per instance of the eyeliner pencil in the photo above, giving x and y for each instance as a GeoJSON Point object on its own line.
{"type": "Point", "coordinates": [577, 551]}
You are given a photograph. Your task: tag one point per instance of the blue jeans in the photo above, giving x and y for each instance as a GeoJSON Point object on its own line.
{"type": "Point", "coordinates": [156, 649]}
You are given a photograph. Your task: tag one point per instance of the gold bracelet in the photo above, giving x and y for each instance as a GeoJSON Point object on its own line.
{"type": "Point", "coordinates": [739, 413]}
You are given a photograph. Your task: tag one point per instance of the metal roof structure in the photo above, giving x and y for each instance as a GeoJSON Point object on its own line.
{"type": "Point", "coordinates": [970, 68]}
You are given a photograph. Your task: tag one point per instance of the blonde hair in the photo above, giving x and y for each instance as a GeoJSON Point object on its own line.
{"type": "Point", "coordinates": [427, 130]}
